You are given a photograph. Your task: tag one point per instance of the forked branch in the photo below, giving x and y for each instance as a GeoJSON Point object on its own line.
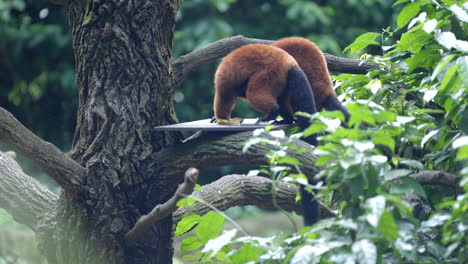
{"type": "Point", "coordinates": [65, 171]}
{"type": "Point", "coordinates": [163, 210]}
{"type": "Point", "coordinates": [218, 49]}
{"type": "Point", "coordinates": [26, 199]}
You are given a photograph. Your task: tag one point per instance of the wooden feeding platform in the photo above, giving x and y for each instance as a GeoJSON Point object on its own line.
{"type": "Point", "coordinates": [205, 125]}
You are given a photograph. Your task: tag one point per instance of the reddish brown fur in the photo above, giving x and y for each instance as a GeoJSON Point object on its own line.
{"type": "Point", "coordinates": [264, 67]}
{"type": "Point", "coordinates": [312, 61]}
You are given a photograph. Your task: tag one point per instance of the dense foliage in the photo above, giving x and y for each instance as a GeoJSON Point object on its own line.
{"type": "Point", "coordinates": [417, 106]}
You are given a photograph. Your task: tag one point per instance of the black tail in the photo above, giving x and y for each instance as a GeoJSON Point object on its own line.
{"type": "Point", "coordinates": [331, 103]}
{"type": "Point", "coordinates": [303, 100]}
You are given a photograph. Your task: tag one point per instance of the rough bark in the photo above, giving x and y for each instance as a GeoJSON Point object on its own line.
{"type": "Point", "coordinates": [23, 197]}
{"type": "Point", "coordinates": [241, 190]}
{"type": "Point", "coordinates": [428, 177]}
{"type": "Point", "coordinates": [123, 64]}
{"type": "Point", "coordinates": [203, 153]}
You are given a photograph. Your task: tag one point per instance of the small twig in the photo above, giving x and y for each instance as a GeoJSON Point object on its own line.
{"type": "Point", "coordinates": [161, 211]}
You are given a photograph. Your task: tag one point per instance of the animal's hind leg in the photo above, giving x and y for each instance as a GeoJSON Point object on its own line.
{"type": "Point", "coordinates": [223, 104]}
{"type": "Point", "coordinates": [262, 93]}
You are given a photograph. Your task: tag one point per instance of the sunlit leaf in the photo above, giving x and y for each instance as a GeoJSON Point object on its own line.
{"type": "Point", "coordinates": [186, 224]}
{"type": "Point", "coordinates": [461, 14]}
{"type": "Point", "coordinates": [191, 243]}
{"type": "Point", "coordinates": [462, 63]}
{"type": "Point", "coordinates": [246, 253]}
{"type": "Point", "coordinates": [363, 41]}
{"type": "Point", "coordinates": [441, 65]}
{"type": "Point", "coordinates": [446, 39]}
{"type": "Point", "coordinates": [188, 201]}
{"type": "Point", "coordinates": [365, 251]}
{"type": "Point", "coordinates": [430, 25]}
{"type": "Point", "coordinates": [387, 225]}
{"type": "Point", "coordinates": [428, 136]}
{"type": "Point", "coordinates": [376, 206]}
{"type": "Point", "coordinates": [216, 244]}
{"type": "Point", "coordinates": [413, 41]}
{"type": "Point", "coordinates": [209, 226]}
{"type": "Point", "coordinates": [445, 86]}
{"type": "Point", "coordinates": [407, 13]}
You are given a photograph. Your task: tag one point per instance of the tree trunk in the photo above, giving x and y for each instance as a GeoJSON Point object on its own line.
{"type": "Point", "coordinates": [123, 64]}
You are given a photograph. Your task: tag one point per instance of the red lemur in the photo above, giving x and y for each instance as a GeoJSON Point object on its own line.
{"type": "Point", "coordinates": [270, 79]}
{"type": "Point", "coordinates": [289, 76]}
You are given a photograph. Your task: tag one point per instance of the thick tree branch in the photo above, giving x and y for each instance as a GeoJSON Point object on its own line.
{"type": "Point", "coordinates": [218, 49]}
{"type": "Point", "coordinates": [215, 150]}
{"type": "Point", "coordinates": [163, 210]}
{"type": "Point", "coordinates": [26, 199]}
{"type": "Point", "coordinates": [240, 190]}
{"type": "Point", "coordinates": [428, 177]}
{"type": "Point", "coordinates": [66, 172]}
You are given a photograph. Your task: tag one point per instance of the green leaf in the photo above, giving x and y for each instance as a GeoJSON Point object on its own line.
{"type": "Point", "coordinates": [413, 41]}
{"type": "Point", "coordinates": [186, 202]}
{"type": "Point", "coordinates": [198, 188]}
{"type": "Point", "coordinates": [191, 243]}
{"type": "Point", "coordinates": [246, 254]}
{"type": "Point", "coordinates": [462, 153]}
{"type": "Point", "coordinates": [444, 86]}
{"type": "Point", "coordinates": [407, 13]}
{"type": "Point", "coordinates": [399, 2]}
{"type": "Point", "coordinates": [365, 251]}
{"type": "Point", "coordinates": [462, 63]}
{"type": "Point", "coordinates": [209, 226]}
{"type": "Point", "coordinates": [384, 139]}
{"type": "Point", "coordinates": [216, 244]}
{"type": "Point", "coordinates": [186, 224]}
{"type": "Point", "coordinates": [289, 160]}
{"type": "Point", "coordinates": [409, 185]}
{"type": "Point", "coordinates": [322, 160]}
{"type": "Point", "coordinates": [424, 59]}
{"type": "Point", "coordinates": [428, 136]}
{"type": "Point", "coordinates": [363, 41]}
{"type": "Point", "coordinates": [441, 65]}
{"type": "Point", "coordinates": [394, 174]}
{"type": "Point", "coordinates": [413, 164]}
{"type": "Point", "coordinates": [387, 226]}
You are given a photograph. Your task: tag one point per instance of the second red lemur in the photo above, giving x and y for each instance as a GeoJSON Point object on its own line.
{"type": "Point", "coordinates": [312, 61]}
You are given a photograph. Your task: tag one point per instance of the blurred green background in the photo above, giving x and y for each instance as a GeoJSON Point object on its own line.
{"type": "Point", "coordinates": [37, 79]}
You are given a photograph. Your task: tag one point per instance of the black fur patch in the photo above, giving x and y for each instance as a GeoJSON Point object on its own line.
{"type": "Point", "coordinates": [302, 98]}
{"type": "Point", "coordinates": [331, 103]}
